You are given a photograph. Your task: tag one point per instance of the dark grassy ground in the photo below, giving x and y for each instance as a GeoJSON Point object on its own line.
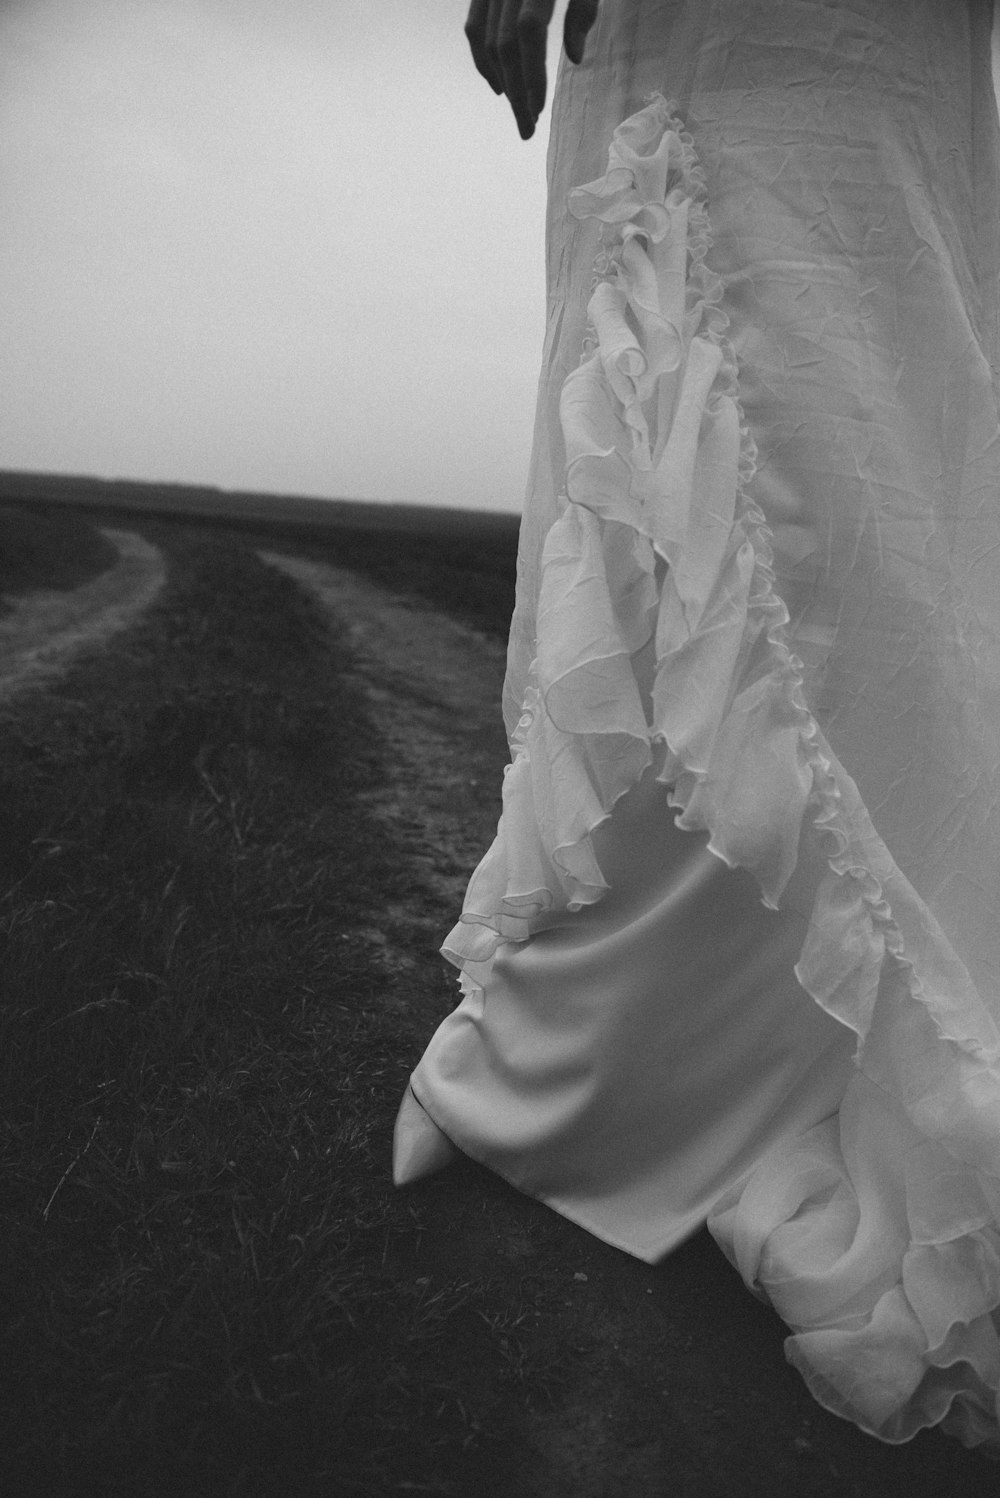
{"type": "Point", "coordinates": [48, 549]}
{"type": "Point", "coordinates": [210, 1285]}
{"type": "Point", "coordinates": [210, 1300]}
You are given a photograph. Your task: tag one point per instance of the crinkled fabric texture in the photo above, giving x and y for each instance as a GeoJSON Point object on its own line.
{"type": "Point", "coordinates": [735, 954]}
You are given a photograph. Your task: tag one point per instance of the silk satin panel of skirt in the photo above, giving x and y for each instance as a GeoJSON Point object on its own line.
{"type": "Point", "coordinates": [734, 956]}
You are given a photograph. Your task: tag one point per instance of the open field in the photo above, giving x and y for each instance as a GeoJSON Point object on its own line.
{"type": "Point", "coordinates": [232, 836]}
{"type": "Point", "coordinates": [290, 514]}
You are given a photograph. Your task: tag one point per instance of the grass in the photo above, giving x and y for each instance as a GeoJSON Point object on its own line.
{"type": "Point", "coordinates": [470, 578]}
{"type": "Point", "coordinates": [194, 1043]}
{"type": "Point", "coordinates": [48, 550]}
{"type": "Point", "coordinates": [210, 1285]}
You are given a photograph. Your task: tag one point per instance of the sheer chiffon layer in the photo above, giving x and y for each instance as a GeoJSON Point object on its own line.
{"type": "Point", "coordinates": [734, 955]}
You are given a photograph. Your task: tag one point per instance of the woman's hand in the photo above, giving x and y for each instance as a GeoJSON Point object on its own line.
{"type": "Point", "coordinates": [508, 39]}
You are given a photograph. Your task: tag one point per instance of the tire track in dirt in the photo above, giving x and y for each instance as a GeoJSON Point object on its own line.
{"type": "Point", "coordinates": [433, 686]}
{"type": "Point", "coordinates": [47, 629]}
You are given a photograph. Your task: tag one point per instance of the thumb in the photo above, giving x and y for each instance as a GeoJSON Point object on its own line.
{"type": "Point", "coordinates": [580, 16]}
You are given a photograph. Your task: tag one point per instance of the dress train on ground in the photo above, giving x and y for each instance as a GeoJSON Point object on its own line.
{"type": "Point", "coordinates": [698, 985]}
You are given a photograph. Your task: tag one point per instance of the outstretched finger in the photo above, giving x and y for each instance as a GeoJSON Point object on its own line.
{"type": "Point", "coordinates": [477, 35]}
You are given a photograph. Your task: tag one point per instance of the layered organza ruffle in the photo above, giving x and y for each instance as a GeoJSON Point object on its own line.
{"type": "Point", "coordinates": [662, 641]}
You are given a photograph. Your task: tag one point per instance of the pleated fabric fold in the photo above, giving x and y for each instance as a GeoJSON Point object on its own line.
{"type": "Point", "coordinates": [662, 642]}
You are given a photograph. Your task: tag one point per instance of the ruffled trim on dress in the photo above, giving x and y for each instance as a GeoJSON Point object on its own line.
{"type": "Point", "coordinates": [661, 640]}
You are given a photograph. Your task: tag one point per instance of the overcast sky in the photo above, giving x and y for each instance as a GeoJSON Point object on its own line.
{"type": "Point", "coordinates": [283, 245]}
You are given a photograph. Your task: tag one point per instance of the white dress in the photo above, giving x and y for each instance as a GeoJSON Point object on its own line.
{"type": "Point", "coordinates": [734, 956]}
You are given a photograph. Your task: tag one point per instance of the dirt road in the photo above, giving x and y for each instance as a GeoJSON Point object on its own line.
{"type": "Point", "coordinates": [46, 630]}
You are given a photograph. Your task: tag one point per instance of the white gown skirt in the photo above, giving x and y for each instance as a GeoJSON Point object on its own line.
{"type": "Point", "coordinates": [734, 956]}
